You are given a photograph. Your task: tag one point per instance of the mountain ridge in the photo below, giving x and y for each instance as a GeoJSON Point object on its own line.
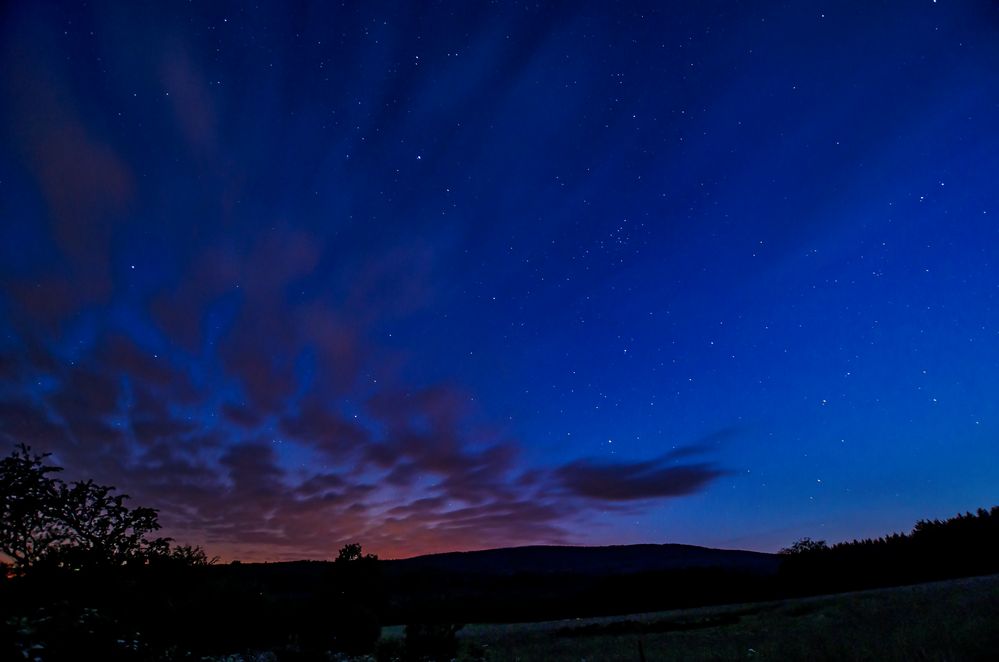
{"type": "Point", "coordinates": [584, 559]}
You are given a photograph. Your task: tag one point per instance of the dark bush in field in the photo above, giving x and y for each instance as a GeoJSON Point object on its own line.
{"type": "Point", "coordinates": [432, 641]}
{"type": "Point", "coordinates": [342, 612]}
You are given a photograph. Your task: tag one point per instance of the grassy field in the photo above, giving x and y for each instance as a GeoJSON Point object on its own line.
{"type": "Point", "coordinates": [953, 620]}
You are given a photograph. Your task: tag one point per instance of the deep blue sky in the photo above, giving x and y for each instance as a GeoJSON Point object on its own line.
{"type": "Point", "coordinates": [437, 276]}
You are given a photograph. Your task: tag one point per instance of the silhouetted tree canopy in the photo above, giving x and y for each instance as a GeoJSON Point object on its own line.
{"type": "Point", "coordinates": [804, 545]}
{"type": "Point", "coordinates": [964, 545]}
{"type": "Point", "coordinates": [29, 523]}
{"type": "Point", "coordinates": [44, 520]}
{"type": "Point", "coordinates": [352, 552]}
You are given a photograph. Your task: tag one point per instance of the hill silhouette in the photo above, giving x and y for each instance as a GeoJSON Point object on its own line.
{"type": "Point", "coordinates": [586, 560]}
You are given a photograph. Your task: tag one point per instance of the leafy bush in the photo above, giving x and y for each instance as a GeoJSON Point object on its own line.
{"type": "Point", "coordinates": [432, 641]}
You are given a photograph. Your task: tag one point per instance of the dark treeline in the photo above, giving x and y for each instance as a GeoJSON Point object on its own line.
{"type": "Point", "coordinates": [961, 546]}
{"type": "Point", "coordinates": [170, 611]}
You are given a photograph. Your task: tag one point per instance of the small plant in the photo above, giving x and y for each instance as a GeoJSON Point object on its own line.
{"type": "Point", "coordinates": [432, 641]}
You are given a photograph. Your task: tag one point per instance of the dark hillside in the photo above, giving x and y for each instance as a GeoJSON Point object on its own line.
{"type": "Point", "coordinates": [614, 559]}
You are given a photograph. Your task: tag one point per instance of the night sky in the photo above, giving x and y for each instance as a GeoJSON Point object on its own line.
{"type": "Point", "coordinates": [441, 276]}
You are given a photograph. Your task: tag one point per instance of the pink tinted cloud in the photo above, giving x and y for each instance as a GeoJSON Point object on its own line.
{"type": "Point", "coordinates": [191, 100]}
{"type": "Point", "coordinates": [85, 183]}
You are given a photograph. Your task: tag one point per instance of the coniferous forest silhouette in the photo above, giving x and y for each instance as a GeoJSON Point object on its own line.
{"type": "Point", "coordinates": [87, 578]}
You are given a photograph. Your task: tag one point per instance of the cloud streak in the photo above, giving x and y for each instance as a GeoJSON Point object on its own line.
{"type": "Point", "coordinates": [635, 481]}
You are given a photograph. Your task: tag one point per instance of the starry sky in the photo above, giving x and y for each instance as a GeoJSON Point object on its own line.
{"type": "Point", "coordinates": [455, 275]}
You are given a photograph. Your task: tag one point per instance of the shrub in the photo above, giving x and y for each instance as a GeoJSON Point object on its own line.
{"type": "Point", "coordinates": [432, 641]}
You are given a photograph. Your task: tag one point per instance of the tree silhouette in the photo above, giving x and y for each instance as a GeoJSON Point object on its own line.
{"type": "Point", "coordinates": [103, 530]}
{"type": "Point", "coordinates": [44, 520]}
{"type": "Point", "coordinates": [804, 546]}
{"type": "Point", "coordinates": [352, 552]}
{"type": "Point", "coordinates": [30, 526]}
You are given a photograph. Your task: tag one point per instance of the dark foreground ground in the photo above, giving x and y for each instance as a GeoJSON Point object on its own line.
{"type": "Point", "coordinates": [950, 620]}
